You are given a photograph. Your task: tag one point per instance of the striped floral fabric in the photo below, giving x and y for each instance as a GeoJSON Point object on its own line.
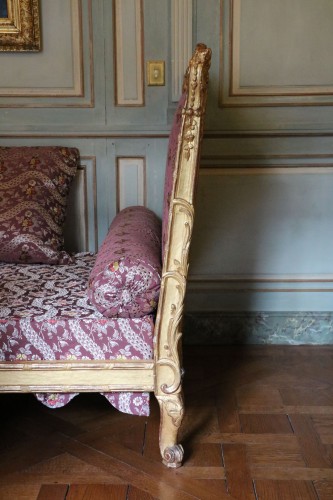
{"type": "Point", "coordinates": [45, 314]}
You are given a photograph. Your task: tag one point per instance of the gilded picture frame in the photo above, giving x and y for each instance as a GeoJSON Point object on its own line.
{"type": "Point", "coordinates": [19, 26]}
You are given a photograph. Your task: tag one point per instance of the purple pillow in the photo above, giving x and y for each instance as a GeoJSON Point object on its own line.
{"type": "Point", "coordinates": [34, 184]}
{"type": "Point", "coordinates": [125, 280]}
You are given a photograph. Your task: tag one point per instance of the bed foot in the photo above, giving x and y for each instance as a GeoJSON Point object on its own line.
{"type": "Point", "coordinates": [172, 411]}
{"type": "Point", "coordinates": [173, 457]}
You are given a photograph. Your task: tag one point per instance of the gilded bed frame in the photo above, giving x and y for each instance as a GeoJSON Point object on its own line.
{"type": "Point", "coordinates": [163, 374]}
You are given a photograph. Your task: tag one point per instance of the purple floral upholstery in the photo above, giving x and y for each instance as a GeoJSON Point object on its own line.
{"type": "Point", "coordinates": [125, 280]}
{"type": "Point", "coordinates": [171, 166]}
{"type": "Point", "coordinates": [34, 184]}
{"type": "Point", "coordinates": [45, 314]}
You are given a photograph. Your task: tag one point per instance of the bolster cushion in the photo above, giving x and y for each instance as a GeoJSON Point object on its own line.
{"type": "Point", "coordinates": [125, 280]}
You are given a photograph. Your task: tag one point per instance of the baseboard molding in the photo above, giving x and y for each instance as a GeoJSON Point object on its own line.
{"type": "Point", "coordinates": [288, 328]}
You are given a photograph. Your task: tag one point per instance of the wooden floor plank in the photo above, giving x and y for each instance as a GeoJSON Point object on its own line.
{"type": "Point", "coordinates": [72, 470]}
{"type": "Point", "coordinates": [135, 494]}
{"type": "Point", "coordinates": [324, 489]}
{"type": "Point", "coordinates": [285, 490]}
{"type": "Point", "coordinates": [23, 454]}
{"type": "Point", "coordinates": [97, 491]}
{"type": "Point", "coordinates": [315, 394]}
{"type": "Point", "coordinates": [200, 472]}
{"type": "Point", "coordinates": [19, 491]}
{"type": "Point", "coordinates": [313, 451]}
{"type": "Point", "coordinates": [239, 481]}
{"type": "Point", "coordinates": [323, 425]}
{"type": "Point", "coordinates": [265, 424]}
{"type": "Point", "coordinates": [53, 492]}
{"type": "Point", "coordinates": [286, 472]}
{"type": "Point", "coordinates": [228, 414]}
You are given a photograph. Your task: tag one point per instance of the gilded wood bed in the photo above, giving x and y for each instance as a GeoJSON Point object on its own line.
{"type": "Point", "coordinates": [160, 372]}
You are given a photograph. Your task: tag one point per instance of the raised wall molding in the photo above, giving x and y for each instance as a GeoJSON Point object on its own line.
{"type": "Point", "coordinates": [81, 227]}
{"type": "Point", "coordinates": [40, 91]}
{"type": "Point", "coordinates": [248, 164]}
{"type": "Point", "coordinates": [258, 67]}
{"type": "Point", "coordinates": [131, 182]}
{"type": "Point", "coordinates": [128, 43]}
{"type": "Point", "coordinates": [233, 275]}
{"type": "Point", "coordinates": [181, 42]}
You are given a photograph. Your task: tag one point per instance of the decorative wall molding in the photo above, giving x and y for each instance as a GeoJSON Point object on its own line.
{"type": "Point", "coordinates": [122, 134]}
{"type": "Point", "coordinates": [131, 181]}
{"type": "Point", "coordinates": [128, 52]}
{"type": "Point", "coordinates": [238, 88]}
{"type": "Point", "coordinates": [257, 283]}
{"type": "Point", "coordinates": [84, 134]}
{"type": "Point", "coordinates": [81, 93]}
{"type": "Point", "coordinates": [270, 163]}
{"type": "Point", "coordinates": [277, 284]}
{"type": "Point", "coordinates": [181, 42]}
{"type": "Point", "coordinates": [81, 227]}
{"type": "Point", "coordinates": [267, 170]}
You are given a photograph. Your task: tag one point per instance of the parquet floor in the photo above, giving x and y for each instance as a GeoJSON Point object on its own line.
{"type": "Point", "coordinates": [258, 425]}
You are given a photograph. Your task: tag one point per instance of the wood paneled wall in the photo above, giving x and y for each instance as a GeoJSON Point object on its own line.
{"type": "Point", "coordinates": [263, 235]}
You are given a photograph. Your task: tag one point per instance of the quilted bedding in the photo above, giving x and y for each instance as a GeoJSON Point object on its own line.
{"type": "Point", "coordinates": [45, 314]}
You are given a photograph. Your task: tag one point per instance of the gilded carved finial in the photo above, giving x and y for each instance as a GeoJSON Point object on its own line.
{"type": "Point", "coordinates": [195, 83]}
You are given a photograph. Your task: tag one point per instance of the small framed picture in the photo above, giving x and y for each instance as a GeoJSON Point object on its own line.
{"type": "Point", "coordinates": [19, 26]}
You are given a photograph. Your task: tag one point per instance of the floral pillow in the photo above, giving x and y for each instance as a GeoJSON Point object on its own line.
{"type": "Point", "coordinates": [34, 185]}
{"type": "Point", "coordinates": [125, 280]}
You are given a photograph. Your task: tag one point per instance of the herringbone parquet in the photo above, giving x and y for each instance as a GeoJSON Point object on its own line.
{"type": "Point", "coordinates": [258, 425]}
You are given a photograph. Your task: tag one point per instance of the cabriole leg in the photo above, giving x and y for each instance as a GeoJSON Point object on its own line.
{"type": "Point", "coordinates": [172, 411]}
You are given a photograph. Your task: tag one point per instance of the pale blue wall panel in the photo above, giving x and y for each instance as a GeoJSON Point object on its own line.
{"type": "Point", "coordinates": [271, 230]}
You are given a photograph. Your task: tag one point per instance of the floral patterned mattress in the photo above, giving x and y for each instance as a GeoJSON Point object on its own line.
{"type": "Point", "coordinates": [45, 314]}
